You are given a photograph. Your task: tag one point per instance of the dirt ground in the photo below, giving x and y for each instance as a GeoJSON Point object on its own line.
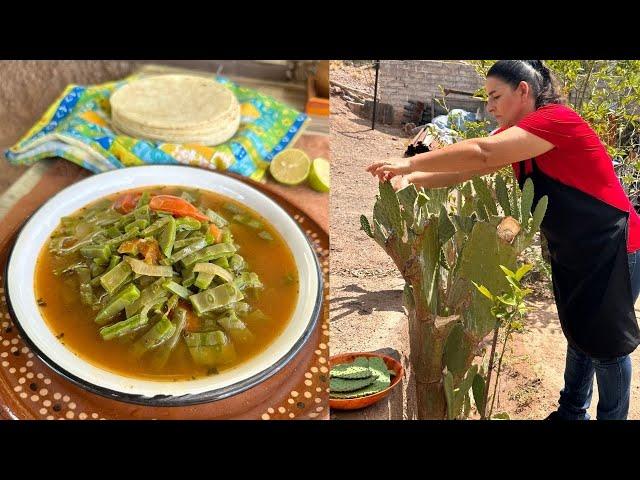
{"type": "Point", "coordinates": [359, 76]}
{"type": "Point", "coordinates": [366, 291]}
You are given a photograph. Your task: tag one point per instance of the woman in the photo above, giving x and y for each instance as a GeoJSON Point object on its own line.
{"type": "Point", "coordinates": [592, 230]}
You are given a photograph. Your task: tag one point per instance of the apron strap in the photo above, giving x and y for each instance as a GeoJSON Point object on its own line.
{"type": "Point", "coordinates": [522, 170]}
{"type": "Point", "coordinates": [522, 174]}
{"type": "Point", "coordinates": [534, 166]}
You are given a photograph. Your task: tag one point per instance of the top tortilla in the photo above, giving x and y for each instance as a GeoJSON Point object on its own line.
{"type": "Point", "coordinates": [175, 103]}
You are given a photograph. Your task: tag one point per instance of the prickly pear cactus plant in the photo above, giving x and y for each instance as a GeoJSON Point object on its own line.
{"type": "Point", "coordinates": [439, 252]}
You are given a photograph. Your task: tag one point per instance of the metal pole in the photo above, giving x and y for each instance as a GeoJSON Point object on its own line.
{"type": "Point", "coordinates": [375, 97]}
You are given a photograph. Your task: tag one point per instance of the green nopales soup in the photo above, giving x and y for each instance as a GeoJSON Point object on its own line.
{"type": "Point", "coordinates": [166, 283]}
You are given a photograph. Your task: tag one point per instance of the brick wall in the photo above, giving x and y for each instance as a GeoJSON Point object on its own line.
{"type": "Point", "coordinates": [402, 80]}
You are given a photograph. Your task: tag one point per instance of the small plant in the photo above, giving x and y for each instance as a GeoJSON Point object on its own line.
{"type": "Point", "coordinates": [509, 311]}
{"type": "Point", "coordinates": [535, 255]}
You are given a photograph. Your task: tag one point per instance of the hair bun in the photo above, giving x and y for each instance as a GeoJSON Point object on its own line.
{"type": "Point", "coordinates": [539, 67]}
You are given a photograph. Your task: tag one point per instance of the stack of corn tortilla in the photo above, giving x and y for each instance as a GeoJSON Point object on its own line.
{"type": "Point", "coordinates": [176, 109]}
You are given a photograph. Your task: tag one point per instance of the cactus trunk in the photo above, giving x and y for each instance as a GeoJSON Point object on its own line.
{"type": "Point", "coordinates": [426, 355]}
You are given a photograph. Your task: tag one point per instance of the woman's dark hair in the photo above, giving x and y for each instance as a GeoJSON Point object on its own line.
{"type": "Point", "coordinates": [535, 73]}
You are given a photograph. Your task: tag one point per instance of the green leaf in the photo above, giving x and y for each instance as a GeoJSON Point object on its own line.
{"type": "Point", "coordinates": [480, 93]}
{"type": "Point", "coordinates": [513, 283]}
{"type": "Point", "coordinates": [507, 300]}
{"type": "Point", "coordinates": [437, 196]}
{"type": "Point", "coordinates": [517, 325]}
{"type": "Point", "coordinates": [522, 271]}
{"type": "Point", "coordinates": [467, 208]}
{"type": "Point", "coordinates": [507, 272]}
{"type": "Point", "coordinates": [483, 290]}
{"type": "Point", "coordinates": [488, 214]}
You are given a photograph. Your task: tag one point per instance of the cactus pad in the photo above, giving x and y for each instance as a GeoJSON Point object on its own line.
{"type": "Point", "coordinates": [357, 369]}
{"type": "Point", "coordinates": [382, 381]}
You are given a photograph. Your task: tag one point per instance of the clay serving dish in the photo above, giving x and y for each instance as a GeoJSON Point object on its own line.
{"type": "Point", "coordinates": [362, 402]}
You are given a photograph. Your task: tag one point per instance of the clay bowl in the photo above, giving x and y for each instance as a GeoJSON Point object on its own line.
{"type": "Point", "coordinates": [362, 402]}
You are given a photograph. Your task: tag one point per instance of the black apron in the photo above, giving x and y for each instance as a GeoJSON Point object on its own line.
{"type": "Point", "coordinates": [587, 241]}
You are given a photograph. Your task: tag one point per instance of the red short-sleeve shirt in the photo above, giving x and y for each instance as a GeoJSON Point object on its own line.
{"type": "Point", "coordinates": [579, 160]}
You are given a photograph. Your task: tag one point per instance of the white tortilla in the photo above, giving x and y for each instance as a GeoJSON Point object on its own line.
{"type": "Point", "coordinates": [212, 137]}
{"type": "Point", "coordinates": [176, 109]}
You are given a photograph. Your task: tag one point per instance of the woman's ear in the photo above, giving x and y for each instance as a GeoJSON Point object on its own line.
{"type": "Point", "coordinates": [523, 89]}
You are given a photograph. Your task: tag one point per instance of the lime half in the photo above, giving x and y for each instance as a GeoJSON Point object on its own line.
{"type": "Point", "coordinates": [290, 167]}
{"type": "Point", "coordinates": [319, 175]}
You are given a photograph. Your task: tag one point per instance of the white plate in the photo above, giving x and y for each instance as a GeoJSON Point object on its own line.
{"type": "Point", "coordinates": [21, 296]}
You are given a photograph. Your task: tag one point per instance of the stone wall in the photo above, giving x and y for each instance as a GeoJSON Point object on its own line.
{"type": "Point", "coordinates": [402, 80]}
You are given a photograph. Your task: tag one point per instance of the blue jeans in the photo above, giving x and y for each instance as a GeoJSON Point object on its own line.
{"type": "Point", "coordinates": [613, 375]}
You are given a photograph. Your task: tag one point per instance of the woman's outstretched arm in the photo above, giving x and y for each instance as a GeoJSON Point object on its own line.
{"type": "Point", "coordinates": [512, 145]}
{"type": "Point", "coordinates": [439, 179]}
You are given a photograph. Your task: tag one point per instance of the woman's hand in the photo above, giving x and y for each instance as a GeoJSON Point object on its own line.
{"type": "Point", "coordinates": [386, 169]}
